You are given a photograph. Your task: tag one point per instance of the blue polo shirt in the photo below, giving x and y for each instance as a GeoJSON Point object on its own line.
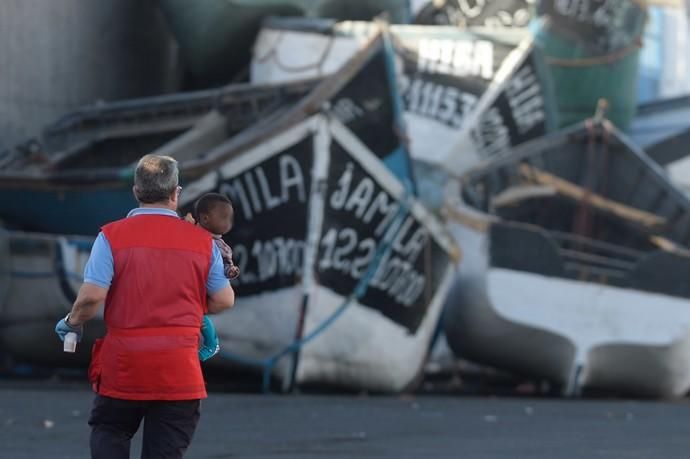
{"type": "Point", "coordinates": [100, 266]}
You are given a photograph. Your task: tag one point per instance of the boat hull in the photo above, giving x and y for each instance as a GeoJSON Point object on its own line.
{"type": "Point", "coordinates": [580, 335]}
{"type": "Point", "coordinates": [65, 212]}
{"type": "Point", "coordinates": [336, 289]}
{"type": "Point", "coordinates": [81, 178]}
{"type": "Point", "coordinates": [41, 283]}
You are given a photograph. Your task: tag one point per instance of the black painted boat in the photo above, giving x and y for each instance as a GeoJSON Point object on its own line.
{"type": "Point", "coordinates": [344, 271]}
{"type": "Point", "coordinates": [468, 94]}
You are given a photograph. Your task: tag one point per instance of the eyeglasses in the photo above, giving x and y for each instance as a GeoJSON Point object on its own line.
{"type": "Point", "coordinates": [179, 190]}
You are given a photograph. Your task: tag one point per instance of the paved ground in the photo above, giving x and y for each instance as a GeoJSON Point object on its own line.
{"type": "Point", "coordinates": [40, 422]}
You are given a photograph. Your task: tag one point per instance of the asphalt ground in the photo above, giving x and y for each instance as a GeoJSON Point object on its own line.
{"type": "Point", "coordinates": [50, 422]}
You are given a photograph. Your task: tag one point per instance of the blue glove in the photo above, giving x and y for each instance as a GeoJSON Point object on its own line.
{"type": "Point", "coordinates": [210, 345]}
{"type": "Point", "coordinates": [62, 328]}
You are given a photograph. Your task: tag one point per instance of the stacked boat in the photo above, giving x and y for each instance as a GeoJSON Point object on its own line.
{"type": "Point", "coordinates": [344, 271]}
{"type": "Point", "coordinates": [361, 157]}
{"type": "Point", "coordinates": [467, 94]}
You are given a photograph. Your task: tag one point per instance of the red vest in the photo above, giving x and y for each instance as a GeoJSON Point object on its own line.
{"type": "Point", "coordinates": [153, 310]}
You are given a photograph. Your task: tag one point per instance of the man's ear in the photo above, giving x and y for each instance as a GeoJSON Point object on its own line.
{"type": "Point", "coordinates": [134, 192]}
{"type": "Point", "coordinates": [174, 197]}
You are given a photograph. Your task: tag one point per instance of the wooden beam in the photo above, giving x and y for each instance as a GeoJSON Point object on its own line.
{"type": "Point", "coordinates": [474, 220]}
{"type": "Point", "coordinates": [668, 245]}
{"type": "Point", "coordinates": [208, 132]}
{"type": "Point", "coordinates": [577, 193]}
{"type": "Point", "coordinates": [514, 195]}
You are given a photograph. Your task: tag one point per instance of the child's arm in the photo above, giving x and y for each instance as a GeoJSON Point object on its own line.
{"type": "Point", "coordinates": [231, 270]}
{"type": "Point", "coordinates": [210, 345]}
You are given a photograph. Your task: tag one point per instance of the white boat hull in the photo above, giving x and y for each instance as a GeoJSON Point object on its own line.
{"type": "Point", "coordinates": [375, 339]}
{"type": "Point", "coordinates": [40, 285]}
{"type": "Point", "coordinates": [577, 334]}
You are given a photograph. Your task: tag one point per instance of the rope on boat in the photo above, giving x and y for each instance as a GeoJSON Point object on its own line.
{"type": "Point", "coordinates": [268, 364]}
{"type": "Point", "coordinates": [597, 60]}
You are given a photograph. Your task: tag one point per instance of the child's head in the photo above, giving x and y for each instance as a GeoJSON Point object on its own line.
{"type": "Point", "coordinates": [214, 212]}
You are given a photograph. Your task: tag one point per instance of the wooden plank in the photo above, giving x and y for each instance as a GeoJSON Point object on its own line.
{"type": "Point", "coordinates": [477, 222]}
{"type": "Point", "coordinates": [573, 191]}
{"type": "Point", "coordinates": [668, 245]}
{"type": "Point", "coordinates": [208, 132]}
{"type": "Point", "coordinates": [514, 195]}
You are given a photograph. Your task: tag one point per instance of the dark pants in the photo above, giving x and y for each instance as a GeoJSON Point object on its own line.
{"type": "Point", "coordinates": [168, 427]}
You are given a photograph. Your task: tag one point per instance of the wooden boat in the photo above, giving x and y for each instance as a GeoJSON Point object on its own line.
{"type": "Point", "coordinates": [453, 120]}
{"type": "Point", "coordinates": [360, 320]}
{"type": "Point", "coordinates": [60, 183]}
{"type": "Point", "coordinates": [344, 272]}
{"type": "Point", "coordinates": [575, 255]}
{"type": "Point", "coordinates": [456, 115]}
{"type": "Point", "coordinates": [340, 263]}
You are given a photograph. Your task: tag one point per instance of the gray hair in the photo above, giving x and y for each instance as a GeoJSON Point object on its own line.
{"type": "Point", "coordinates": [155, 178]}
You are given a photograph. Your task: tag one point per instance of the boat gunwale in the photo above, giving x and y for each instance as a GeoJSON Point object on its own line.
{"type": "Point", "coordinates": [537, 147]}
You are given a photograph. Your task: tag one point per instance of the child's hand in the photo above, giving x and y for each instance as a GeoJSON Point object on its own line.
{"type": "Point", "coordinates": [210, 345]}
{"type": "Point", "coordinates": [232, 271]}
{"type": "Point", "coordinates": [189, 218]}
